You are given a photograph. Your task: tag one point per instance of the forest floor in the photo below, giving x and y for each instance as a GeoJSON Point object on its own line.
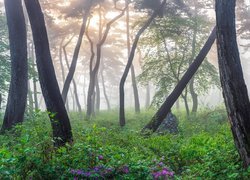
{"type": "Point", "coordinates": [203, 149]}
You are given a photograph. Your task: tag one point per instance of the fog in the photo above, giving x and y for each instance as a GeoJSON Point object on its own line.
{"type": "Point", "coordinates": [63, 21]}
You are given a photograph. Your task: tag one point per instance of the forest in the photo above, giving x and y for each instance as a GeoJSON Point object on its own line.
{"type": "Point", "coordinates": [124, 89]}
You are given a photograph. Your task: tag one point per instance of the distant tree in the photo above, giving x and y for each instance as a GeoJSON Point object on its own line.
{"type": "Point", "coordinates": [95, 69]}
{"type": "Point", "coordinates": [78, 8]}
{"type": "Point", "coordinates": [232, 80]}
{"type": "Point", "coordinates": [134, 83]}
{"type": "Point", "coordinates": [19, 69]}
{"type": "Point", "coordinates": [55, 106]}
{"type": "Point", "coordinates": [130, 61]}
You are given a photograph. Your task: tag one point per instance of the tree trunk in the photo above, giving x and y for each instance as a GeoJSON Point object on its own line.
{"type": "Point", "coordinates": [17, 97]}
{"type": "Point", "coordinates": [167, 105]}
{"type": "Point", "coordinates": [74, 83]}
{"type": "Point", "coordinates": [55, 106]}
{"type": "Point", "coordinates": [94, 72]}
{"type": "Point", "coordinates": [30, 99]}
{"type": "Point", "coordinates": [194, 95]}
{"type": "Point", "coordinates": [97, 107]}
{"type": "Point", "coordinates": [184, 97]}
{"type": "Point", "coordinates": [130, 61]}
{"type": "Point", "coordinates": [1, 99]}
{"type": "Point", "coordinates": [76, 53]}
{"type": "Point", "coordinates": [134, 84]}
{"type": "Point", "coordinates": [62, 68]}
{"type": "Point", "coordinates": [231, 76]}
{"type": "Point", "coordinates": [91, 85]}
{"type": "Point", "coordinates": [147, 102]}
{"type": "Point", "coordinates": [104, 92]}
{"type": "Point", "coordinates": [34, 78]}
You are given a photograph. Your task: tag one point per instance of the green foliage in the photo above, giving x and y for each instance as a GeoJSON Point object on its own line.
{"type": "Point", "coordinates": [171, 45]}
{"type": "Point", "coordinates": [204, 149]}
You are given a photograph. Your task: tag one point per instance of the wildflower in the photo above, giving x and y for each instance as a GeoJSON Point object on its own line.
{"type": "Point", "coordinates": [161, 164]}
{"type": "Point", "coordinates": [100, 157]}
{"type": "Point", "coordinates": [125, 169]}
{"type": "Point", "coordinates": [164, 172]}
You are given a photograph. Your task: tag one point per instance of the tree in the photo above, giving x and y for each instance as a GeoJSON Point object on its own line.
{"type": "Point", "coordinates": [19, 67]}
{"type": "Point", "coordinates": [55, 106]}
{"type": "Point", "coordinates": [95, 70]}
{"type": "Point", "coordinates": [4, 60]}
{"type": "Point", "coordinates": [165, 108]}
{"type": "Point", "coordinates": [168, 54]}
{"type": "Point", "coordinates": [134, 83]}
{"type": "Point", "coordinates": [87, 7]}
{"type": "Point", "coordinates": [231, 76]}
{"type": "Point", "coordinates": [130, 61]}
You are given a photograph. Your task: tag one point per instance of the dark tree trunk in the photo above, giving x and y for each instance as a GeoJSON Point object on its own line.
{"type": "Point", "coordinates": [231, 76]}
{"type": "Point", "coordinates": [104, 92]}
{"type": "Point", "coordinates": [167, 105]}
{"type": "Point", "coordinates": [97, 107]}
{"type": "Point", "coordinates": [76, 53]}
{"type": "Point", "coordinates": [130, 61]}
{"type": "Point", "coordinates": [17, 97]}
{"type": "Point", "coordinates": [55, 106]}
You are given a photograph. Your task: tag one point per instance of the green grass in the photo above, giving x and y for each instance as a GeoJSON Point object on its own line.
{"type": "Point", "coordinates": [203, 149]}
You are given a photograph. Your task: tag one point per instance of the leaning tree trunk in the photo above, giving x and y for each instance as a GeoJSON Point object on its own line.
{"type": "Point", "coordinates": [231, 76]}
{"type": "Point", "coordinates": [169, 102]}
{"type": "Point", "coordinates": [19, 66]}
{"type": "Point", "coordinates": [49, 85]}
{"type": "Point", "coordinates": [130, 61]}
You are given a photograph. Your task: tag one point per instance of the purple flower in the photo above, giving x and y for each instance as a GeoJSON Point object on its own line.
{"type": "Point", "coordinates": [75, 178]}
{"type": "Point", "coordinates": [164, 172]}
{"type": "Point", "coordinates": [100, 157]}
{"type": "Point", "coordinates": [125, 169]}
{"type": "Point", "coordinates": [156, 175]}
{"type": "Point", "coordinates": [161, 164]}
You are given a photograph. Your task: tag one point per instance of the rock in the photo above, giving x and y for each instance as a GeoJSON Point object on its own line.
{"type": "Point", "coordinates": [169, 125]}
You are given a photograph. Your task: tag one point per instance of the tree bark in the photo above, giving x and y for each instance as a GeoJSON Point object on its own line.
{"type": "Point", "coordinates": [55, 106]}
{"type": "Point", "coordinates": [130, 61]}
{"type": "Point", "coordinates": [167, 105]}
{"type": "Point", "coordinates": [232, 80]}
{"type": "Point", "coordinates": [17, 97]}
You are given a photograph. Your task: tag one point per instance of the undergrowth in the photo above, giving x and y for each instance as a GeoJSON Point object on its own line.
{"type": "Point", "coordinates": [203, 149]}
